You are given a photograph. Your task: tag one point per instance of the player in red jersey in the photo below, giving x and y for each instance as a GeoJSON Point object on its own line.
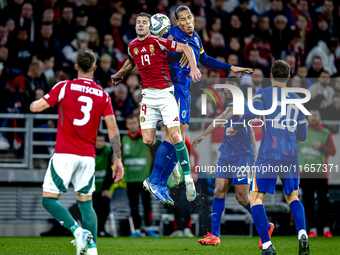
{"type": "Point", "coordinates": [158, 102]}
{"type": "Point", "coordinates": [82, 103]}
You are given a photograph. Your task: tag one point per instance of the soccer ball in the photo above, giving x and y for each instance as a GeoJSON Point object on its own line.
{"type": "Point", "coordinates": [159, 24]}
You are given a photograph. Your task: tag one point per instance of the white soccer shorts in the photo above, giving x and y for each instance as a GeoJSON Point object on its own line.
{"type": "Point", "coordinates": [157, 105]}
{"type": "Point", "coordinates": [65, 168]}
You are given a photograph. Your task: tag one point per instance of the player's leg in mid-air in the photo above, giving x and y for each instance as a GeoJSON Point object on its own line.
{"type": "Point", "coordinates": [161, 105]}
{"type": "Point", "coordinates": [58, 176]}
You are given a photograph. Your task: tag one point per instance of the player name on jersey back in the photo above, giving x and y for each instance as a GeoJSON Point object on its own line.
{"type": "Point", "coordinates": [87, 89]}
{"type": "Point", "coordinates": [150, 56]}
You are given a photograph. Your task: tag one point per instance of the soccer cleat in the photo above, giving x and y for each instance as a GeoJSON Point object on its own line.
{"type": "Point", "coordinates": [165, 194]}
{"type": "Point", "coordinates": [176, 175]}
{"type": "Point", "coordinates": [82, 239]}
{"type": "Point", "coordinates": [187, 233]}
{"type": "Point", "coordinates": [269, 251]}
{"type": "Point", "coordinates": [177, 233]}
{"type": "Point", "coordinates": [154, 190]}
{"type": "Point", "coordinates": [151, 233]}
{"type": "Point", "coordinates": [136, 234]}
{"type": "Point", "coordinates": [210, 240]}
{"type": "Point", "coordinates": [270, 232]}
{"type": "Point", "coordinates": [327, 234]}
{"type": "Point", "coordinates": [303, 246]}
{"type": "Point", "coordinates": [92, 251]}
{"type": "Point", "coordinates": [313, 234]}
{"type": "Point", "coordinates": [190, 188]}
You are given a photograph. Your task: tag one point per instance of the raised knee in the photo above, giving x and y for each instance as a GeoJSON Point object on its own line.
{"type": "Point", "coordinates": [176, 137]}
{"type": "Point", "coordinates": [148, 141]}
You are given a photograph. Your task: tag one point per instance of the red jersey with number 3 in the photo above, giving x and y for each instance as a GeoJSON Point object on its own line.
{"type": "Point", "coordinates": [82, 103]}
{"type": "Point", "coordinates": [150, 56]}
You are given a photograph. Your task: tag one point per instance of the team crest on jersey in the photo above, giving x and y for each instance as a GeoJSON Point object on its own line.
{"type": "Point", "coordinates": [170, 37]}
{"type": "Point", "coordinates": [152, 48]}
{"type": "Point", "coordinates": [135, 50]}
{"type": "Point", "coordinates": [197, 42]}
{"type": "Point", "coordinates": [142, 119]}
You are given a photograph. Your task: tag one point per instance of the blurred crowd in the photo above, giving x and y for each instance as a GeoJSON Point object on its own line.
{"type": "Point", "coordinates": [39, 40]}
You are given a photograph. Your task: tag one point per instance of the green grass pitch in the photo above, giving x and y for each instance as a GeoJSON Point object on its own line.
{"type": "Point", "coordinates": [166, 245]}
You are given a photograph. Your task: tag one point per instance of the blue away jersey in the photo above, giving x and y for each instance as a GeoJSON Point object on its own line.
{"type": "Point", "coordinates": [178, 74]}
{"type": "Point", "coordinates": [240, 144]}
{"type": "Point", "coordinates": [279, 142]}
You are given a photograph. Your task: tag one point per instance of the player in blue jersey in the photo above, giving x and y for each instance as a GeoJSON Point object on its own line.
{"type": "Point", "coordinates": [184, 33]}
{"type": "Point", "coordinates": [278, 155]}
{"type": "Point", "coordinates": [234, 165]}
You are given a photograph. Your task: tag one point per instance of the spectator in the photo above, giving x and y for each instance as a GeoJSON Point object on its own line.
{"type": "Point", "coordinates": [47, 45]}
{"type": "Point", "coordinates": [134, 151]}
{"type": "Point", "coordinates": [104, 70]}
{"type": "Point", "coordinates": [216, 45]}
{"type": "Point", "coordinates": [277, 8]}
{"type": "Point", "coordinates": [304, 32]}
{"type": "Point", "coordinates": [103, 181]}
{"type": "Point", "coordinates": [324, 50]}
{"type": "Point", "coordinates": [200, 8]}
{"type": "Point", "coordinates": [302, 7]}
{"type": "Point", "coordinates": [95, 13]}
{"type": "Point", "coordinates": [13, 9]}
{"type": "Point", "coordinates": [337, 86]}
{"type": "Point", "coordinates": [48, 15]}
{"type": "Point", "coordinates": [281, 35]}
{"type": "Point", "coordinates": [133, 83]}
{"type": "Point", "coordinates": [302, 72]}
{"type": "Point", "coordinates": [263, 30]}
{"type": "Point", "coordinates": [264, 48]}
{"type": "Point", "coordinates": [27, 20]}
{"type": "Point", "coordinates": [130, 30]}
{"type": "Point", "coordinates": [245, 14]}
{"type": "Point", "coordinates": [136, 96]}
{"type": "Point", "coordinates": [82, 18]}
{"type": "Point", "coordinates": [94, 41]}
{"type": "Point", "coordinates": [333, 113]}
{"type": "Point", "coordinates": [81, 42]}
{"type": "Point", "coordinates": [321, 30]}
{"type": "Point", "coordinates": [233, 60]}
{"type": "Point", "coordinates": [162, 6]}
{"type": "Point", "coordinates": [316, 150]}
{"type": "Point", "coordinates": [201, 28]}
{"type": "Point", "coordinates": [21, 52]}
{"type": "Point", "coordinates": [3, 35]}
{"type": "Point", "coordinates": [322, 87]}
{"type": "Point", "coordinates": [65, 31]}
{"type": "Point", "coordinates": [48, 74]}
{"type": "Point", "coordinates": [254, 81]}
{"type": "Point", "coordinates": [122, 104]}
{"type": "Point", "coordinates": [66, 73]}
{"type": "Point", "coordinates": [316, 67]}
{"type": "Point", "coordinates": [10, 24]}
{"type": "Point", "coordinates": [327, 8]}
{"type": "Point", "coordinates": [116, 55]}
{"type": "Point", "coordinates": [234, 47]}
{"type": "Point", "coordinates": [114, 27]}
{"type": "Point", "coordinates": [254, 62]}
{"type": "Point", "coordinates": [291, 60]}
{"type": "Point", "coordinates": [235, 29]}
{"type": "Point", "coordinates": [219, 13]}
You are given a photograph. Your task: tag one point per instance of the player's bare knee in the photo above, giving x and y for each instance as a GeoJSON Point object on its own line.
{"type": "Point", "coordinates": [148, 141]}
{"type": "Point", "coordinates": [291, 197]}
{"type": "Point", "coordinates": [219, 192]}
{"type": "Point", "coordinates": [176, 137]}
{"type": "Point", "coordinates": [242, 198]}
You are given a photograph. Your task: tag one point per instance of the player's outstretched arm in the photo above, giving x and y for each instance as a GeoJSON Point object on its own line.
{"type": "Point", "coordinates": [214, 63]}
{"type": "Point", "coordinates": [221, 120]}
{"type": "Point", "coordinates": [39, 105]}
{"type": "Point", "coordinates": [127, 67]}
{"type": "Point", "coordinates": [187, 50]}
{"type": "Point", "coordinates": [114, 137]}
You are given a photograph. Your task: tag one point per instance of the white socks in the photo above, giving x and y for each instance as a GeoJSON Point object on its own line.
{"type": "Point", "coordinates": [188, 178]}
{"type": "Point", "coordinates": [77, 232]}
{"type": "Point", "coordinates": [266, 245]}
{"type": "Point", "coordinates": [302, 232]}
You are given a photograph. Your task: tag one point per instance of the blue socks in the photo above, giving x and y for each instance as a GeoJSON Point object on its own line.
{"type": "Point", "coordinates": [162, 159]}
{"type": "Point", "coordinates": [298, 213]}
{"type": "Point", "coordinates": [261, 222]}
{"type": "Point", "coordinates": [163, 179]}
{"type": "Point", "coordinates": [249, 210]}
{"type": "Point", "coordinates": [216, 215]}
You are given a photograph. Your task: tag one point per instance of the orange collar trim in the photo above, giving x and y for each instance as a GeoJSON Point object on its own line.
{"type": "Point", "coordinates": [186, 32]}
{"type": "Point", "coordinates": [282, 86]}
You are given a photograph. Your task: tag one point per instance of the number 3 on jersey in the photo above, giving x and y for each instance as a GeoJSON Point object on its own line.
{"type": "Point", "coordinates": [145, 58]}
{"type": "Point", "coordinates": [85, 109]}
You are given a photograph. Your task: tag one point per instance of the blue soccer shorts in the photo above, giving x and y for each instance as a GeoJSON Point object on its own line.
{"type": "Point", "coordinates": [237, 169]}
{"type": "Point", "coordinates": [265, 172]}
{"type": "Point", "coordinates": [183, 100]}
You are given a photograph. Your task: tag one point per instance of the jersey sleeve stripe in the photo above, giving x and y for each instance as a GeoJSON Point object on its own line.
{"type": "Point", "coordinates": [161, 46]}
{"type": "Point", "coordinates": [257, 96]}
{"type": "Point", "coordinates": [302, 121]}
{"type": "Point", "coordinates": [62, 92]}
{"type": "Point", "coordinates": [202, 50]}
